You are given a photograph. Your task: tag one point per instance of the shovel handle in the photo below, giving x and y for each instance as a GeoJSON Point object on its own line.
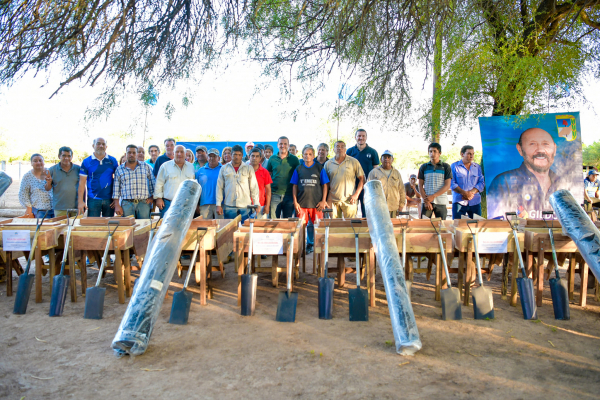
{"type": "Point", "coordinates": [290, 264]}
{"type": "Point", "coordinates": [443, 257]}
{"type": "Point", "coordinates": [110, 235]}
{"type": "Point", "coordinates": [328, 211]}
{"type": "Point", "coordinates": [517, 245]}
{"type": "Point", "coordinates": [250, 247]}
{"type": "Point", "coordinates": [193, 259]}
{"type": "Point", "coordinates": [34, 242]}
{"type": "Point", "coordinates": [554, 258]}
{"type": "Point", "coordinates": [357, 260]}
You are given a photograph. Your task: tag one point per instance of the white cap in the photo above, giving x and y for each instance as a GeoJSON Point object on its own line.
{"type": "Point", "coordinates": [249, 144]}
{"type": "Point", "coordinates": [387, 153]}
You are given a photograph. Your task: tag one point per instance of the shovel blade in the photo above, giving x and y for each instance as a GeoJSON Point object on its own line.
{"type": "Point", "coordinates": [359, 305]}
{"type": "Point", "coordinates": [326, 298]}
{"type": "Point", "coordinates": [60, 286]}
{"type": "Point", "coordinates": [483, 303]}
{"type": "Point", "coordinates": [451, 309]}
{"type": "Point", "coordinates": [286, 307]}
{"type": "Point", "coordinates": [180, 309]}
{"type": "Point", "coordinates": [94, 302]}
{"type": "Point", "coordinates": [525, 288]}
{"type": "Point", "coordinates": [560, 298]}
{"type": "Point", "coordinates": [249, 283]}
{"type": "Point", "coordinates": [23, 292]}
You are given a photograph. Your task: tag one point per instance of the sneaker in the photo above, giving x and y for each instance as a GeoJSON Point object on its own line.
{"type": "Point", "coordinates": [309, 249]}
{"type": "Point", "coordinates": [263, 257]}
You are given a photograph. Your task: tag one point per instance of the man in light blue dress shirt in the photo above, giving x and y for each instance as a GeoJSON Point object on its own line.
{"type": "Point", "coordinates": [467, 184]}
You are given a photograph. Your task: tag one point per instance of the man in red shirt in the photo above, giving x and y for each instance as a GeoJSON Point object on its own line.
{"type": "Point", "coordinates": [264, 182]}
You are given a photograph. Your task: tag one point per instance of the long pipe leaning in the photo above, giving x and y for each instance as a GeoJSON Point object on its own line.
{"type": "Point", "coordinates": [381, 230]}
{"type": "Point", "coordinates": [578, 226]}
{"type": "Point", "coordinates": [143, 308]}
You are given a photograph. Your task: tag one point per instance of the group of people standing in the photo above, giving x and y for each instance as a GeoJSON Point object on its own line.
{"type": "Point", "coordinates": [281, 184]}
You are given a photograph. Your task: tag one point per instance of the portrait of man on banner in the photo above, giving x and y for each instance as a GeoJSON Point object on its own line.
{"type": "Point", "coordinates": [541, 159]}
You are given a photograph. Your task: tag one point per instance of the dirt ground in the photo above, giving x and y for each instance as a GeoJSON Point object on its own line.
{"type": "Point", "coordinates": [221, 354]}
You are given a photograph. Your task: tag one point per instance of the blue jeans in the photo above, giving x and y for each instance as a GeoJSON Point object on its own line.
{"type": "Point", "coordinates": [282, 206]}
{"type": "Point", "coordinates": [310, 233]}
{"type": "Point", "coordinates": [232, 212]}
{"type": "Point", "coordinates": [140, 210]}
{"type": "Point", "coordinates": [165, 208]}
{"type": "Point", "coordinates": [98, 207]}
{"type": "Point", "coordinates": [40, 213]}
{"type": "Point", "coordinates": [459, 210]}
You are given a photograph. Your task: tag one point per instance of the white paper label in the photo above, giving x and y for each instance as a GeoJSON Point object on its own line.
{"type": "Point", "coordinates": [156, 285]}
{"type": "Point", "coordinates": [492, 242]}
{"type": "Point", "coordinates": [16, 241]}
{"type": "Point", "coordinates": [267, 243]}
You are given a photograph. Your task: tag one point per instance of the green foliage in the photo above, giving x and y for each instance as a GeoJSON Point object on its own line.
{"type": "Point", "coordinates": [591, 154]}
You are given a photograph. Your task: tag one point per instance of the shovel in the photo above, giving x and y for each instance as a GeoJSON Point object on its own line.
{"type": "Point", "coordinates": [524, 284]}
{"type": "Point", "coordinates": [451, 309]}
{"type": "Point", "coordinates": [326, 283]}
{"type": "Point", "coordinates": [249, 280]}
{"type": "Point", "coordinates": [26, 280]}
{"type": "Point", "coordinates": [288, 300]}
{"type": "Point", "coordinates": [94, 296]}
{"type": "Point", "coordinates": [60, 284]}
{"type": "Point", "coordinates": [558, 287]}
{"type": "Point", "coordinates": [180, 309]}
{"type": "Point", "coordinates": [358, 298]}
{"type": "Point", "coordinates": [483, 301]}
{"type": "Point", "coordinates": [404, 228]}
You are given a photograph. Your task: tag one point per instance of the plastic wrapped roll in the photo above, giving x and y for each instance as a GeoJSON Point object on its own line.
{"type": "Point", "coordinates": [150, 290]}
{"type": "Point", "coordinates": [5, 182]}
{"type": "Point", "coordinates": [381, 230]}
{"type": "Point", "coordinates": [578, 226]}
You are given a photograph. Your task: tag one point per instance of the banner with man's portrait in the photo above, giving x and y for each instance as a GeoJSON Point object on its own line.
{"type": "Point", "coordinates": [526, 159]}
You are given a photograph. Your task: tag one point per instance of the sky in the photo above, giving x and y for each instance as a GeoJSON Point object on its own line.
{"type": "Point", "coordinates": [225, 104]}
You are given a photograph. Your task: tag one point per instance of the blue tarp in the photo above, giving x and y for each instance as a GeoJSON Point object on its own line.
{"type": "Point", "coordinates": [221, 145]}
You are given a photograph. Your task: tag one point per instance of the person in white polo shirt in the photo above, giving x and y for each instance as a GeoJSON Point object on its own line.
{"type": "Point", "coordinates": [170, 176]}
{"type": "Point", "coordinates": [391, 180]}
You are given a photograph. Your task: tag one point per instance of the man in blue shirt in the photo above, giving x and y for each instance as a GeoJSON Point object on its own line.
{"type": "Point", "coordinates": [367, 157]}
{"type": "Point", "coordinates": [153, 151]}
{"type": "Point", "coordinates": [466, 184]}
{"type": "Point", "coordinates": [168, 156]}
{"type": "Point", "coordinates": [96, 176]}
{"type": "Point", "coordinates": [207, 178]}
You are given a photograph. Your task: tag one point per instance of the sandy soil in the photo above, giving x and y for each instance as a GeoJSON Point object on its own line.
{"type": "Point", "coordinates": [220, 354]}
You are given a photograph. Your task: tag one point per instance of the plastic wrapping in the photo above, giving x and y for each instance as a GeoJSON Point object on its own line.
{"type": "Point", "coordinates": [142, 311]}
{"type": "Point", "coordinates": [578, 226]}
{"type": "Point", "coordinates": [5, 182]}
{"type": "Point", "coordinates": [381, 230]}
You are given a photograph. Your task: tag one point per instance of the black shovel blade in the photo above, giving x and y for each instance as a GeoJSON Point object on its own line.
{"type": "Point", "coordinates": [560, 298]}
{"type": "Point", "coordinates": [451, 309]}
{"type": "Point", "coordinates": [180, 310]}
{"type": "Point", "coordinates": [359, 305]}
{"type": "Point", "coordinates": [60, 286]}
{"type": "Point", "coordinates": [286, 307]}
{"type": "Point", "coordinates": [94, 302]}
{"type": "Point", "coordinates": [483, 303]}
{"type": "Point", "coordinates": [525, 287]}
{"type": "Point", "coordinates": [326, 298]}
{"type": "Point", "coordinates": [23, 292]}
{"type": "Point", "coordinates": [249, 283]}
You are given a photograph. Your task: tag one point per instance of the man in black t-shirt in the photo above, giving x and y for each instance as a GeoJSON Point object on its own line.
{"type": "Point", "coordinates": [310, 192]}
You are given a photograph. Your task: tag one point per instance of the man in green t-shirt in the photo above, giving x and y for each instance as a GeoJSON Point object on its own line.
{"type": "Point", "coordinates": [281, 167]}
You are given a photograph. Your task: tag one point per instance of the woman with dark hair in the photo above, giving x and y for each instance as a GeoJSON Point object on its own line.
{"type": "Point", "coordinates": [33, 193]}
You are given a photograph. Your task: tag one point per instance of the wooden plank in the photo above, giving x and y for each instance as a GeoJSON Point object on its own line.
{"type": "Point", "coordinates": [482, 224]}
{"type": "Point", "coordinates": [339, 223]}
{"type": "Point", "coordinates": [266, 224]}
{"type": "Point", "coordinates": [562, 243]}
{"type": "Point", "coordinates": [93, 240]}
{"type": "Point", "coordinates": [103, 221]}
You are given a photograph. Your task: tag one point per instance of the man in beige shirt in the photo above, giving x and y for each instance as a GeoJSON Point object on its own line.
{"type": "Point", "coordinates": [343, 172]}
{"type": "Point", "coordinates": [391, 180]}
{"type": "Point", "coordinates": [170, 176]}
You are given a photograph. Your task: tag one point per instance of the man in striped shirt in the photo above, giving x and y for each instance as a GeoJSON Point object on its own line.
{"type": "Point", "coordinates": [434, 182]}
{"type": "Point", "coordinates": [133, 187]}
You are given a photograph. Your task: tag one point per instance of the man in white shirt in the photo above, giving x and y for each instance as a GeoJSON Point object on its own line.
{"type": "Point", "coordinates": [237, 187]}
{"type": "Point", "coordinates": [170, 176]}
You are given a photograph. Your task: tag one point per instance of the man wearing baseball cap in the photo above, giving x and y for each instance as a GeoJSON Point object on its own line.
{"type": "Point", "coordinates": [591, 184]}
{"type": "Point", "coordinates": [413, 197]}
{"type": "Point", "coordinates": [391, 180]}
{"type": "Point", "coordinates": [207, 177]}
{"type": "Point", "coordinates": [201, 160]}
{"type": "Point", "coordinates": [249, 146]}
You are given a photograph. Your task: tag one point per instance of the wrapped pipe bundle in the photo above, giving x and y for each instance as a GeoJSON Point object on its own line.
{"type": "Point", "coordinates": [5, 182]}
{"type": "Point", "coordinates": [381, 231]}
{"type": "Point", "coordinates": [578, 226]}
{"type": "Point", "coordinates": [142, 311]}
